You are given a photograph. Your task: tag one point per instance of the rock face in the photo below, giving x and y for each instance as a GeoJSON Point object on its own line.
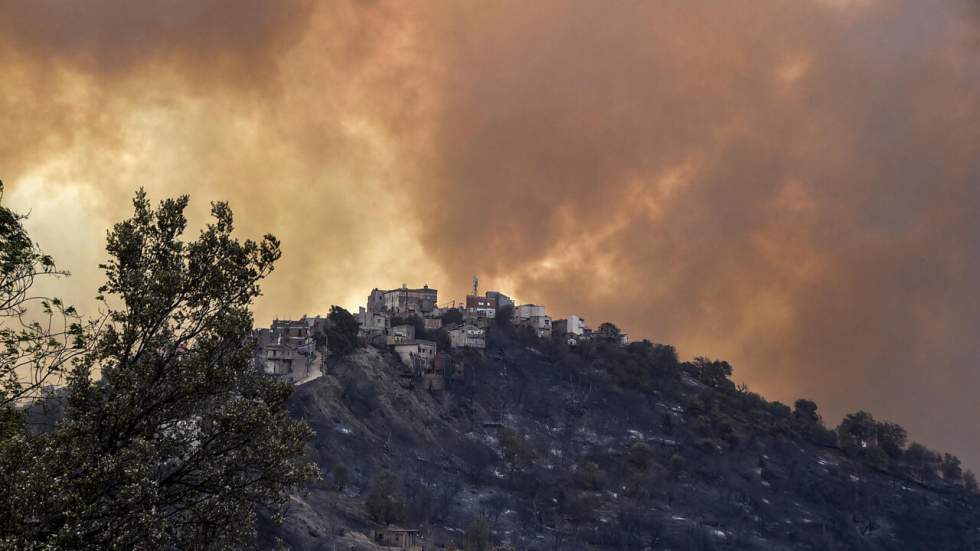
{"type": "Point", "coordinates": [596, 447]}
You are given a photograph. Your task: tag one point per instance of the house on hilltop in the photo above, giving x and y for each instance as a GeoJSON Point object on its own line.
{"type": "Point", "coordinates": [573, 325]}
{"type": "Point", "coordinates": [533, 316]}
{"type": "Point", "coordinates": [481, 307]}
{"type": "Point", "coordinates": [292, 350]}
{"type": "Point", "coordinates": [410, 301]}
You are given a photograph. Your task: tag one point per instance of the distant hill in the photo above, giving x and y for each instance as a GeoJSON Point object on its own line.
{"type": "Point", "coordinates": [600, 446]}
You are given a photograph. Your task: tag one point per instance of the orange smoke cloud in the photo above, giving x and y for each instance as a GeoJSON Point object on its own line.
{"type": "Point", "coordinates": [790, 186]}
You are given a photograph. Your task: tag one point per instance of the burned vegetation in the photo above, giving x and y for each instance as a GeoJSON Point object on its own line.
{"type": "Point", "coordinates": [542, 445]}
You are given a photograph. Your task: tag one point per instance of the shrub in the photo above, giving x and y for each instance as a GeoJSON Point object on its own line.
{"type": "Point", "coordinates": [677, 463]}
{"type": "Point", "coordinates": [384, 502]}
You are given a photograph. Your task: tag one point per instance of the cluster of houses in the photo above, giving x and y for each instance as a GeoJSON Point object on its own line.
{"type": "Point", "coordinates": [410, 322]}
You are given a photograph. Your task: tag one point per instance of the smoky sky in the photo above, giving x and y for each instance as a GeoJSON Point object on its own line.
{"type": "Point", "coordinates": [792, 186]}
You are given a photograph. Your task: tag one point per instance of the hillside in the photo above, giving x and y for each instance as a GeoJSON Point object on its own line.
{"type": "Point", "coordinates": [597, 447]}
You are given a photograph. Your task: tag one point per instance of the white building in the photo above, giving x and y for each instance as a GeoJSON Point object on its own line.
{"type": "Point", "coordinates": [573, 325]}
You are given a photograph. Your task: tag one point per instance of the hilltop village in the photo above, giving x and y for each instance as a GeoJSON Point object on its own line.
{"type": "Point", "coordinates": [429, 339]}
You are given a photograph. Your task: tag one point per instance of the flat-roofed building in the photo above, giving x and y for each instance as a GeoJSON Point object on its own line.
{"type": "Point", "coordinates": [500, 299]}
{"type": "Point", "coordinates": [573, 325]}
{"type": "Point", "coordinates": [484, 307]}
{"type": "Point", "coordinates": [418, 355]}
{"type": "Point", "coordinates": [405, 300]}
{"type": "Point", "coordinates": [533, 316]}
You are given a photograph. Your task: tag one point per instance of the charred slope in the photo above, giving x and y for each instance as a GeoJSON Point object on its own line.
{"type": "Point", "coordinates": [597, 447]}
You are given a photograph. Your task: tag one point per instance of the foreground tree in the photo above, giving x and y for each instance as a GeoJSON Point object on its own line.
{"type": "Point", "coordinates": [39, 336]}
{"type": "Point", "coordinates": [182, 439]}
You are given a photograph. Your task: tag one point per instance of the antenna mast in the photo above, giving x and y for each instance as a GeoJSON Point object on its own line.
{"type": "Point", "coordinates": [476, 285]}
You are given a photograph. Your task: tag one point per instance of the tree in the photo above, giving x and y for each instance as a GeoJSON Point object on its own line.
{"type": "Point", "coordinates": [923, 461]}
{"type": "Point", "coordinates": [951, 469]}
{"type": "Point", "coordinates": [857, 431]}
{"type": "Point", "coordinates": [805, 413]}
{"type": "Point", "coordinates": [892, 438]}
{"type": "Point", "coordinates": [384, 502]}
{"type": "Point", "coordinates": [182, 439]}
{"type": "Point", "coordinates": [970, 481]}
{"type": "Point", "coordinates": [341, 331]}
{"type": "Point", "coordinates": [39, 336]}
{"type": "Point", "coordinates": [713, 373]}
{"type": "Point", "coordinates": [658, 356]}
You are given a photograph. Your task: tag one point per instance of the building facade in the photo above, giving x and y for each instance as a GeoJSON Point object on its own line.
{"type": "Point", "coordinates": [415, 301]}
{"type": "Point", "coordinates": [533, 316]}
{"type": "Point", "coordinates": [292, 350]}
{"type": "Point", "coordinates": [573, 325]}
{"type": "Point", "coordinates": [484, 307]}
{"type": "Point", "coordinates": [468, 336]}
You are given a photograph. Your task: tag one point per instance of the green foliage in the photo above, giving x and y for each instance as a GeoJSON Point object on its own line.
{"type": "Point", "coordinates": [182, 439]}
{"type": "Point", "coordinates": [384, 502]}
{"type": "Point", "coordinates": [677, 463]}
{"type": "Point", "coordinates": [39, 336]}
{"type": "Point", "coordinates": [341, 331]}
